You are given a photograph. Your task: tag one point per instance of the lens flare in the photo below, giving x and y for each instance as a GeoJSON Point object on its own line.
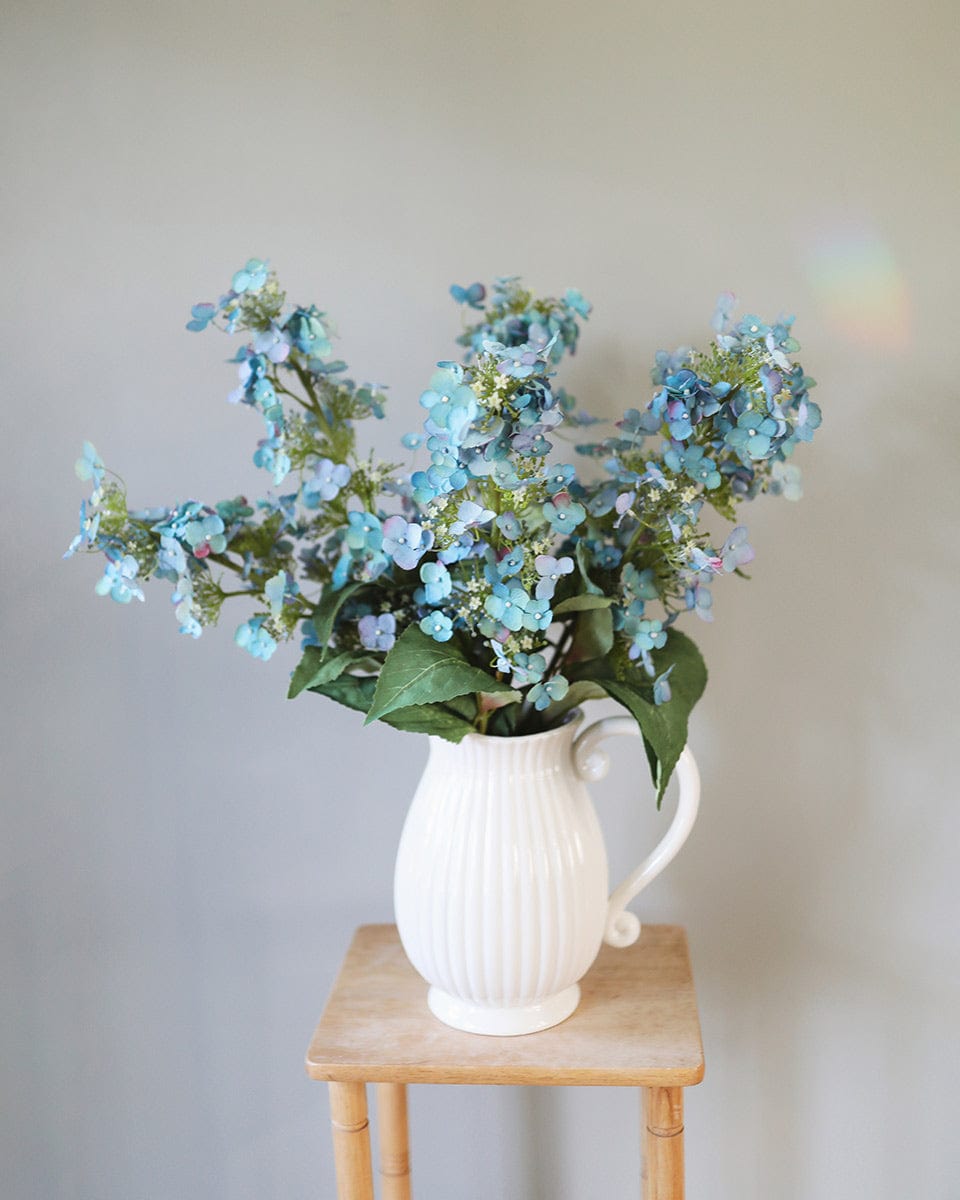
{"type": "Point", "coordinates": [864, 295]}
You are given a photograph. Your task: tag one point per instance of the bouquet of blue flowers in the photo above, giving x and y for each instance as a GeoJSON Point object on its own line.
{"type": "Point", "coordinates": [488, 584]}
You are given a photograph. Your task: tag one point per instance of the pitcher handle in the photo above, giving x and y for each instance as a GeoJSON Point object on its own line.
{"type": "Point", "coordinates": [623, 927]}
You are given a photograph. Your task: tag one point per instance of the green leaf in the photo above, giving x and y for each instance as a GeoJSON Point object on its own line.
{"type": "Point", "coordinates": [588, 583]}
{"type": "Point", "coordinates": [435, 719]}
{"type": "Point", "coordinates": [689, 676]}
{"type": "Point", "coordinates": [503, 721]}
{"type": "Point", "coordinates": [664, 726]}
{"type": "Point", "coordinates": [330, 604]}
{"type": "Point", "coordinates": [665, 735]}
{"type": "Point", "coordinates": [419, 670]}
{"type": "Point", "coordinates": [577, 693]}
{"type": "Point", "coordinates": [316, 667]}
{"type": "Point", "coordinates": [452, 721]}
{"type": "Point", "coordinates": [353, 691]}
{"type": "Point", "coordinates": [582, 603]}
{"type": "Point", "coordinates": [594, 634]}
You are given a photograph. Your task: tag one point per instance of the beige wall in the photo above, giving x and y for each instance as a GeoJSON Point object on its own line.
{"type": "Point", "coordinates": [185, 854]}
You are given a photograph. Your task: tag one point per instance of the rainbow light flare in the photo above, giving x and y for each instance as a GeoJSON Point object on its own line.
{"type": "Point", "coordinates": [864, 296]}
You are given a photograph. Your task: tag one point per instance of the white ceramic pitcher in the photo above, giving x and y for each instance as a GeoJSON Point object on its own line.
{"type": "Point", "coordinates": [501, 886]}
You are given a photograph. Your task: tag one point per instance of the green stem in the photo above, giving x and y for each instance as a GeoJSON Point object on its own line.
{"type": "Point", "coordinates": [293, 395]}
{"type": "Point", "coordinates": [561, 650]}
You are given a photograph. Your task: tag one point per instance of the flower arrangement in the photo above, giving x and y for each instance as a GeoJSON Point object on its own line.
{"type": "Point", "coordinates": [488, 585]}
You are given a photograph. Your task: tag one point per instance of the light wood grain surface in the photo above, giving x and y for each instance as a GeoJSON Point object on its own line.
{"type": "Point", "coordinates": [637, 1024]}
{"type": "Point", "coordinates": [662, 1142]}
{"type": "Point", "coordinates": [351, 1141]}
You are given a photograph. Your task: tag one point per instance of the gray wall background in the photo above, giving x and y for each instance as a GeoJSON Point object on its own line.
{"type": "Point", "coordinates": [185, 854]}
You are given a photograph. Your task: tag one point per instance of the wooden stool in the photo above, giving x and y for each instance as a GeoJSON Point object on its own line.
{"type": "Point", "coordinates": [637, 1026]}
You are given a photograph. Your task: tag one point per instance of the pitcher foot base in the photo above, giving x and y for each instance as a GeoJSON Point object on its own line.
{"type": "Point", "coordinates": [503, 1022]}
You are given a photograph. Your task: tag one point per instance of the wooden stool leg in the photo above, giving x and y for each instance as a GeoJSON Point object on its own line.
{"type": "Point", "coordinates": [394, 1140]}
{"type": "Point", "coordinates": [663, 1143]}
{"type": "Point", "coordinates": [351, 1141]}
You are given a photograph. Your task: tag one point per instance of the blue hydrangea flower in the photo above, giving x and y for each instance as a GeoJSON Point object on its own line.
{"type": "Point", "coordinates": [551, 570]}
{"type": "Point", "coordinates": [472, 295]}
{"type": "Point", "coordinates": [624, 507]}
{"type": "Point", "coordinates": [786, 480]}
{"type": "Point", "coordinates": [636, 425]}
{"type": "Point", "coordinates": [89, 525]}
{"type": "Point", "coordinates": [530, 443]}
{"type": "Point", "coordinates": [608, 557]}
{"type": "Point", "coordinates": [185, 610]}
{"type": "Point", "coordinates": [252, 637]}
{"type": "Point", "coordinates": [274, 590]}
{"type": "Point", "coordinates": [564, 513]}
{"type": "Point", "coordinates": [341, 572]}
{"type": "Point", "coordinates": [808, 419]}
{"type": "Point", "coordinates": [573, 299]}
{"type": "Point", "coordinates": [736, 550]}
{"type": "Point", "coordinates": [726, 302]}
{"type": "Point", "coordinates": [661, 688]}
{"type": "Point", "coordinates": [328, 479]}
{"type": "Point", "coordinates": [679, 421]}
{"type": "Point", "coordinates": [511, 563]}
{"type": "Point", "coordinates": [509, 526]}
{"type": "Point", "coordinates": [544, 694]}
{"type": "Point", "coordinates": [603, 500]}
{"type": "Point", "coordinates": [205, 536]}
{"type": "Point", "coordinates": [537, 615]}
{"type": "Point", "coordinates": [117, 580]}
{"type": "Point", "coordinates": [412, 441]}
{"type": "Point", "coordinates": [251, 368]}
{"type": "Point", "coordinates": [171, 560]}
{"type": "Point", "coordinates": [273, 342]}
{"type": "Point", "coordinates": [378, 632]}
{"type": "Point", "coordinates": [527, 669]}
{"type": "Point", "coordinates": [751, 438]}
{"type": "Point", "coordinates": [507, 605]}
{"type": "Point", "coordinates": [437, 584]}
{"type": "Point", "coordinates": [305, 328]}
{"type": "Point", "coordinates": [639, 584]}
{"type": "Point", "coordinates": [460, 549]}
{"type": "Point", "coordinates": [189, 624]}
{"type": "Point", "coordinates": [363, 531]}
{"type": "Point", "coordinates": [271, 456]}
{"type": "Point", "coordinates": [438, 626]}
{"type": "Point", "coordinates": [451, 403]}
{"type": "Point", "coordinates": [286, 506]}
{"type": "Point", "coordinates": [645, 636]}
{"type": "Point", "coordinates": [505, 475]}
{"type": "Point", "coordinates": [200, 317]}
{"type": "Point", "coordinates": [250, 278]}
{"type": "Point", "coordinates": [699, 597]}
{"type": "Point", "coordinates": [370, 565]}
{"type": "Point", "coordinates": [90, 466]}
{"type": "Point", "coordinates": [519, 362]}
{"type": "Point", "coordinates": [752, 329]}
{"type": "Point", "coordinates": [422, 488]}
{"type": "Point", "coordinates": [559, 477]}
{"type": "Point", "coordinates": [405, 541]}
{"type": "Point", "coordinates": [470, 515]}
{"type": "Point", "coordinates": [176, 520]}
{"type": "Point", "coordinates": [705, 564]}
{"type": "Point", "coordinates": [692, 462]}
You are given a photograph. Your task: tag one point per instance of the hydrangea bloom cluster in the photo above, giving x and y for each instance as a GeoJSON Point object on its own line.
{"type": "Point", "coordinates": [508, 582]}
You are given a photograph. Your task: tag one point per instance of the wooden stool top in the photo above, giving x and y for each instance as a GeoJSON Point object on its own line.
{"type": "Point", "coordinates": [637, 1024]}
